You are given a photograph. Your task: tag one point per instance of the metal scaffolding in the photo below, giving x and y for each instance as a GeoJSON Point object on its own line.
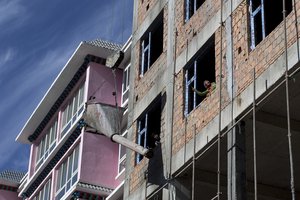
{"type": "Point", "coordinates": [284, 81]}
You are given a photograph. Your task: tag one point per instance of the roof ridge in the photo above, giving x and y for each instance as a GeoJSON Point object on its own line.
{"type": "Point", "coordinates": [105, 44]}
{"type": "Point", "coordinates": [12, 175]}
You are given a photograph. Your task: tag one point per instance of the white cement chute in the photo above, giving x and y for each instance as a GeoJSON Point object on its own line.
{"type": "Point", "coordinates": [106, 120]}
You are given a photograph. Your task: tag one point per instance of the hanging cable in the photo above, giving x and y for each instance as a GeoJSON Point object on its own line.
{"type": "Point", "coordinates": [288, 104]}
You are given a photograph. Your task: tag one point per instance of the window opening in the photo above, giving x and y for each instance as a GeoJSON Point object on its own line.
{"type": "Point", "coordinates": [148, 134]}
{"type": "Point", "coordinates": [191, 6]}
{"type": "Point", "coordinates": [151, 44]}
{"type": "Point", "coordinates": [200, 69]}
{"type": "Point", "coordinates": [265, 16]}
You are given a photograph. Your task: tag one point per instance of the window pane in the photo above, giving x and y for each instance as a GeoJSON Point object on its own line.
{"type": "Point", "coordinates": [70, 167]}
{"type": "Point", "coordinates": [64, 171]}
{"type": "Point", "coordinates": [81, 94]}
{"type": "Point", "coordinates": [76, 102]}
{"type": "Point", "coordinates": [76, 153]}
{"type": "Point", "coordinates": [70, 107]}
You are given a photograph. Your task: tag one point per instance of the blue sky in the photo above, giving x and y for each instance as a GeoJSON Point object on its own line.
{"type": "Point", "coordinates": [37, 39]}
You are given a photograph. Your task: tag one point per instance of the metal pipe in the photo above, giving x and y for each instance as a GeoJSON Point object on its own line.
{"type": "Point", "coordinates": [254, 135]}
{"type": "Point", "coordinates": [194, 165]}
{"type": "Point", "coordinates": [288, 105]}
{"type": "Point", "coordinates": [220, 103]}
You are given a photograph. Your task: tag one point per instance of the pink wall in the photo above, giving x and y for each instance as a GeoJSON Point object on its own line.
{"type": "Point", "coordinates": [5, 195]}
{"type": "Point", "coordinates": [101, 84]}
{"type": "Point", "coordinates": [99, 162]}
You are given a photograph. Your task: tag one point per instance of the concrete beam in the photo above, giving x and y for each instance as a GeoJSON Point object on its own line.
{"type": "Point", "coordinates": [277, 120]}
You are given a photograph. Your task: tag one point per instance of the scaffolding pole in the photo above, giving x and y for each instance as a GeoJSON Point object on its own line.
{"type": "Point", "coordinates": [288, 105]}
{"type": "Point", "coordinates": [254, 135]}
{"type": "Point", "coordinates": [220, 103]}
{"type": "Point", "coordinates": [194, 164]}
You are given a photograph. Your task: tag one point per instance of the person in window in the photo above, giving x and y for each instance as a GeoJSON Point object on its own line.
{"type": "Point", "coordinates": [209, 86]}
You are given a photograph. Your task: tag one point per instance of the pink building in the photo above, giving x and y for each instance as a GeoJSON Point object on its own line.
{"type": "Point", "coordinates": [9, 183]}
{"type": "Point", "coordinates": [66, 162]}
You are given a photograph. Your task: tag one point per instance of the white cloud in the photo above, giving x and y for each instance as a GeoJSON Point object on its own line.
{"type": "Point", "coordinates": [12, 13]}
{"type": "Point", "coordinates": [7, 55]}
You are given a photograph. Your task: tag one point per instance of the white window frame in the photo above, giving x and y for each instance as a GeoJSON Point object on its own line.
{"type": "Point", "coordinates": [43, 194]}
{"type": "Point", "coordinates": [46, 145]}
{"type": "Point", "coordinates": [125, 86]}
{"type": "Point", "coordinates": [190, 82]}
{"type": "Point", "coordinates": [142, 132]}
{"type": "Point", "coordinates": [67, 171]}
{"type": "Point", "coordinates": [123, 158]}
{"type": "Point", "coordinates": [73, 110]}
{"type": "Point", "coordinates": [146, 52]}
{"type": "Point", "coordinates": [258, 11]}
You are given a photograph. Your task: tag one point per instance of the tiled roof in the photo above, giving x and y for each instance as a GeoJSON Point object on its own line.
{"type": "Point", "coordinates": [95, 187]}
{"type": "Point", "coordinates": [12, 176]}
{"type": "Point", "coordinates": [104, 44]}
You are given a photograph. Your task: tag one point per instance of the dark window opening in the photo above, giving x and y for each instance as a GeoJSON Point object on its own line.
{"type": "Point", "coordinates": [151, 44]}
{"type": "Point", "coordinates": [191, 6]}
{"type": "Point", "coordinates": [265, 16]}
{"type": "Point", "coordinates": [148, 134]}
{"type": "Point", "coordinates": [199, 69]}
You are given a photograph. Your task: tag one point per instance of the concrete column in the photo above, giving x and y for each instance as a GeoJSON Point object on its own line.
{"type": "Point", "coordinates": [236, 165]}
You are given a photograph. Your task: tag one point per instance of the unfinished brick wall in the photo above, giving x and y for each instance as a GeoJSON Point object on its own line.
{"type": "Point", "coordinates": [138, 173]}
{"type": "Point", "coordinates": [264, 54]}
{"type": "Point", "coordinates": [183, 127]}
{"type": "Point", "coordinates": [244, 61]}
{"type": "Point", "coordinates": [187, 30]}
{"type": "Point", "coordinates": [144, 7]}
{"type": "Point", "coordinates": [142, 84]}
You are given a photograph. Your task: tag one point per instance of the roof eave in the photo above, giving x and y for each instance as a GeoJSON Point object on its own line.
{"type": "Point", "coordinates": [57, 87]}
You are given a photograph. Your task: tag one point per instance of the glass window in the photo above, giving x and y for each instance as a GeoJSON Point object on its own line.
{"type": "Point", "coordinates": [67, 174]}
{"type": "Point", "coordinates": [44, 193]}
{"type": "Point", "coordinates": [72, 110]}
{"type": "Point", "coordinates": [46, 145]}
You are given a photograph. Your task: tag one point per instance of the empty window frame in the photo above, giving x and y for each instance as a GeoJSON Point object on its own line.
{"type": "Point", "coordinates": [148, 132]}
{"type": "Point", "coordinates": [46, 145]}
{"type": "Point", "coordinates": [151, 44]}
{"type": "Point", "coordinates": [191, 6]}
{"type": "Point", "coordinates": [125, 85]}
{"type": "Point", "coordinates": [67, 174]}
{"type": "Point", "coordinates": [199, 69]}
{"type": "Point", "coordinates": [72, 110]}
{"type": "Point", "coordinates": [265, 16]}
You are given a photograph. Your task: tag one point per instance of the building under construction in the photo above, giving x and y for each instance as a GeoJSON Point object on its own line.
{"type": "Point", "coordinates": [241, 140]}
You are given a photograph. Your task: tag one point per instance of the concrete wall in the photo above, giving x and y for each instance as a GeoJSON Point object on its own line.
{"type": "Point", "coordinates": [99, 161]}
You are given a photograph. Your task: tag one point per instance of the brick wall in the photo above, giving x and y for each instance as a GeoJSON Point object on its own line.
{"type": "Point", "coordinates": [187, 30]}
{"type": "Point", "coordinates": [244, 61]}
{"type": "Point", "coordinates": [144, 7]}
